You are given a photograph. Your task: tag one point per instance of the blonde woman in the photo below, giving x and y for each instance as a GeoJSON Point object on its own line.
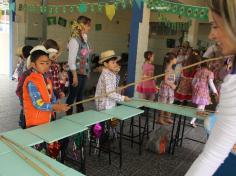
{"type": "Point", "coordinates": [218, 157]}
{"type": "Point", "coordinates": [79, 60]}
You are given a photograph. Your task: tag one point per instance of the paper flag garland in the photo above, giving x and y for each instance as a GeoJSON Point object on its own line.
{"type": "Point", "coordinates": [110, 11]}
{"type": "Point", "coordinates": [82, 8]}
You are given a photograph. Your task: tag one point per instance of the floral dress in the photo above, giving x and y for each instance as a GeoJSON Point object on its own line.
{"type": "Point", "coordinates": [166, 93]}
{"type": "Point", "coordinates": [201, 87]}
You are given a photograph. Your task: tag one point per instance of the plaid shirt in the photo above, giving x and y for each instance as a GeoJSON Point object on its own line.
{"type": "Point", "coordinates": [107, 82]}
{"type": "Point", "coordinates": [19, 89]}
{"type": "Point", "coordinates": [53, 75]}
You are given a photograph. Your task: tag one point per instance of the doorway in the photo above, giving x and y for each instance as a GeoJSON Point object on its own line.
{"type": "Point", "coordinates": [4, 38]}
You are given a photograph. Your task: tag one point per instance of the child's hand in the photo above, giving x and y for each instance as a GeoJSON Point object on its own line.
{"type": "Point", "coordinates": [173, 86]}
{"type": "Point", "coordinates": [60, 107]}
{"type": "Point", "coordinates": [216, 95]}
{"type": "Point", "coordinates": [75, 81]}
{"type": "Point", "coordinates": [127, 98]}
{"type": "Point", "coordinates": [61, 95]}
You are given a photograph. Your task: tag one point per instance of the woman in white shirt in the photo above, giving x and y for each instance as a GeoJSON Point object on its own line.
{"type": "Point", "coordinates": [218, 157]}
{"type": "Point", "coordinates": [79, 61]}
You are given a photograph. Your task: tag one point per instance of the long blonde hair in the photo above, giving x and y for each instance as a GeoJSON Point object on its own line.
{"type": "Point", "coordinates": [227, 10]}
{"type": "Point", "coordinates": [79, 25]}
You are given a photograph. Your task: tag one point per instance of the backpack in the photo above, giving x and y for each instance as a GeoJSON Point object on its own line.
{"type": "Point", "coordinates": [159, 140]}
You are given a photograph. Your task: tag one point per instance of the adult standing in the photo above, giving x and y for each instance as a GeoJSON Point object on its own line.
{"type": "Point", "coordinates": [218, 156]}
{"type": "Point", "coordinates": [79, 61]}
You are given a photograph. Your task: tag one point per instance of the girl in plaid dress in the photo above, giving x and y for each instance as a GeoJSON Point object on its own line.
{"type": "Point", "coordinates": [166, 93]}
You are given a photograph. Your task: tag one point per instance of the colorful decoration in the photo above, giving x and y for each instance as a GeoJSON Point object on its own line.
{"type": "Point", "coordinates": [84, 52]}
{"type": "Point", "coordinates": [97, 130]}
{"type": "Point", "coordinates": [163, 6]}
{"type": "Point", "coordinates": [62, 21]}
{"type": "Point", "coordinates": [110, 11]}
{"type": "Point", "coordinates": [82, 8]}
{"type": "Point", "coordinates": [189, 11]}
{"type": "Point", "coordinates": [53, 149]}
{"type": "Point", "coordinates": [139, 3]}
{"type": "Point", "coordinates": [52, 20]}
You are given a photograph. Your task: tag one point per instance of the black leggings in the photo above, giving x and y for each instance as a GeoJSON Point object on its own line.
{"type": "Point", "coordinates": [76, 93]}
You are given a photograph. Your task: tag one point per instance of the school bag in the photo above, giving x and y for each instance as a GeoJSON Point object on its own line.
{"type": "Point", "coordinates": [159, 140]}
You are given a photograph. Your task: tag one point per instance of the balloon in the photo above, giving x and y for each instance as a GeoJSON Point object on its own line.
{"type": "Point", "coordinates": [97, 130]}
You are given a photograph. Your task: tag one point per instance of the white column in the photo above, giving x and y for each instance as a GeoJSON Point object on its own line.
{"type": "Point", "coordinates": [142, 46]}
{"type": "Point", "coordinates": [193, 33]}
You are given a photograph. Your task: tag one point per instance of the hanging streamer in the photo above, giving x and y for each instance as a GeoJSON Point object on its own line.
{"type": "Point", "coordinates": [189, 11]}
{"type": "Point", "coordinates": [82, 8]}
{"type": "Point", "coordinates": [162, 6]}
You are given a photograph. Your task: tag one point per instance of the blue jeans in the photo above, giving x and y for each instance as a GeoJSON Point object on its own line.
{"type": "Point", "coordinates": [228, 168]}
{"type": "Point", "coordinates": [76, 93]}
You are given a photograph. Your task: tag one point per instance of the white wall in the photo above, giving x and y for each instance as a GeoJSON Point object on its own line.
{"type": "Point", "coordinates": [114, 34]}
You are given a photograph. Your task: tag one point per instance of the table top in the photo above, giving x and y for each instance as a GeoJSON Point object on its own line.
{"type": "Point", "coordinates": [175, 109]}
{"type": "Point", "coordinates": [11, 164]}
{"type": "Point", "coordinates": [88, 118]}
{"type": "Point", "coordinates": [22, 137]}
{"type": "Point", "coordinates": [19, 136]}
{"type": "Point", "coordinates": [123, 112]}
{"type": "Point", "coordinates": [135, 103]}
{"type": "Point", "coordinates": [56, 130]}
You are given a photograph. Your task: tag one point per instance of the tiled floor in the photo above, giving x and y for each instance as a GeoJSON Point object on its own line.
{"type": "Point", "coordinates": [148, 164]}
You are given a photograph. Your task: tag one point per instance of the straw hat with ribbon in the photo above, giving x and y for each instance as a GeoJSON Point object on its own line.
{"type": "Point", "coordinates": [108, 55]}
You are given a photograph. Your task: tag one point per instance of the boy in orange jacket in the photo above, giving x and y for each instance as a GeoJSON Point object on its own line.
{"type": "Point", "coordinates": [39, 100]}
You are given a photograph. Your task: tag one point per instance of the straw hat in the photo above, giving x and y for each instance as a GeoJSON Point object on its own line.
{"type": "Point", "coordinates": [107, 55]}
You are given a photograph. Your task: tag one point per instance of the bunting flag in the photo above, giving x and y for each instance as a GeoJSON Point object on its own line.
{"type": "Point", "coordinates": [110, 11]}
{"type": "Point", "coordinates": [139, 3]}
{"type": "Point", "coordinates": [82, 8]}
{"type": "Point", "coordinates": [163, 6]}
{"type": "Point", "coordinates": [189, 11]}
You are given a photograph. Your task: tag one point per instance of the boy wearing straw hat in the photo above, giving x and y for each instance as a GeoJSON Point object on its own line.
{"type": "Point", "coordinates": [108, 82]}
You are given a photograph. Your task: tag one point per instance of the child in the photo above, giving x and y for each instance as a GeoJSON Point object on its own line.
{"type": "Point", "coordinates": [64, 79]}
{"type": "Point", "coordinates": [166, 93]}
{"type": "Point", "coordinates": [148, 88]}
{"type": "Point", "coordinates": [108, 82]}
{"type": "Point", "coordinates": [183, 93]}
{"type": "Point", "coordinates": [38, 98]}
{"type": "Point", "coordinates": [201, 96]}
{"type": "Point", "coordinates": [180, 60]}
{"type": "Point", "coordinates": [23, 53]}
{"type": "Point", "coordinates": [54, 70]}
{"type": "Point", "coordinates": [19, 90]}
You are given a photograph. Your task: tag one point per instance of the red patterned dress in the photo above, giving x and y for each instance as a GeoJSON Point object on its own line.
{"type": "Point", "coordinates": [184, 90]}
